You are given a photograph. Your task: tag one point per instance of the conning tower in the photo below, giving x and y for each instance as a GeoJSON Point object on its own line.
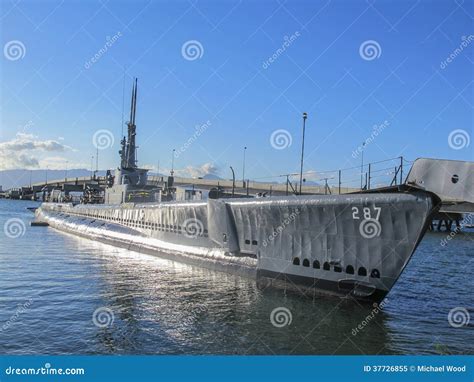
{"type": "Point", "coordinates": [130, 181]}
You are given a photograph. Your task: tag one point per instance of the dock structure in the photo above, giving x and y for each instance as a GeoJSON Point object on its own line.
{"type": "Point", "coordinates": [448, 220]}
{"type": "Point", "coordinates": [341, 181]}
{"type": "Point", "coordinates": [251, 187]}
{"type": "Point", "coordinates": [453, 185]}
{"type": "Point", "coordinates": [224, 188]}
{"type": "Point", "coordinates": [38, 191]}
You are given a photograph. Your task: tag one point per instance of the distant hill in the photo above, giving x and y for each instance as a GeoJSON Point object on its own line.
{"type": "Point", "coordinates": [18, 178]}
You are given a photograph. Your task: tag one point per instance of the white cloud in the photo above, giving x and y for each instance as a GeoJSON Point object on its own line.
{"type": "Point", "coordinates": [23, 141]}
{"type": "Point", "coordinates": [27, 151]}
{"type": "Point", "coordinates": [19, 161]}
{"type": "Point", "coordinates": [196, 172]}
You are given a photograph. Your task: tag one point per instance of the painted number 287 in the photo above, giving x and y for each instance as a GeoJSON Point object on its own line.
{"type": "Point", "coordinates": [366, 213]}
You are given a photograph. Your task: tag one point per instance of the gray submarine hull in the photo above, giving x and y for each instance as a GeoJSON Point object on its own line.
{"type": "Point", "coordinates": [353, 245]}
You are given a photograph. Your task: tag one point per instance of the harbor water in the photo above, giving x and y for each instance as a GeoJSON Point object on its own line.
{"type": "Point", "coordinates": [61, 294]}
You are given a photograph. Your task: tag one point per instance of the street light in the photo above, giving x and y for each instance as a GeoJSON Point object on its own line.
{"type": "Point", "coordinates": [233, 181]}
{"type": "Point", "coordinates": [96, 162]}
{"type": "Point", "coordinates": [172, 162]}
{"type": "Point", "coordinates": [92, 165]}
{"type": "Point", "coordinates": [65, 175]}
{"type": "Point", "coordinates": [362, 165]}
{"type": "Point", "coordinates": [243, 169]}
{"type": "Point", "coordinates": [305, 115]}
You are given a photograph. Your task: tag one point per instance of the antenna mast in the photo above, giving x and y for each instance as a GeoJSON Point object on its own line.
{"type": "Point", "coordinates": [130, 146]}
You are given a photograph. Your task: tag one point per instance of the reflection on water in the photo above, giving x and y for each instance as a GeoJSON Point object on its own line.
{"type": "Point", "coordinates": [53, 286]}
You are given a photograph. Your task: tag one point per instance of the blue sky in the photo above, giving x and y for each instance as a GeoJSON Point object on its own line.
{"type": "Point", "coordinates": [54, 98]}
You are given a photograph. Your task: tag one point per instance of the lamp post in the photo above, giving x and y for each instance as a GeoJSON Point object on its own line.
{"type": "Point", "coordinates": [96, 162]}
{"type": "Point", "coordinates": [243, 168]}
{"type": "Point", "coordinates": [305, 115]}
{"type": "Point", "coordinates": [362, 165]}
{"type": "Point", "coordinates": [172, 162]}
{"type": "Point", "coordinates": [233, 181]}
{"type": "Point", "coordinates": [65, 175]}
{"type": "Point", "coordinates": [92, 165]}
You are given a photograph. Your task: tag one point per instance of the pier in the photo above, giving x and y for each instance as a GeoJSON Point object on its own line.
{"type": "Point", "coordinates": [341, 181]}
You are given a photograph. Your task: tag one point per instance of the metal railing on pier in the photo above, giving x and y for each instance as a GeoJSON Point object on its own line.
{"type": "Point", "coordinates": [367, 176]}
